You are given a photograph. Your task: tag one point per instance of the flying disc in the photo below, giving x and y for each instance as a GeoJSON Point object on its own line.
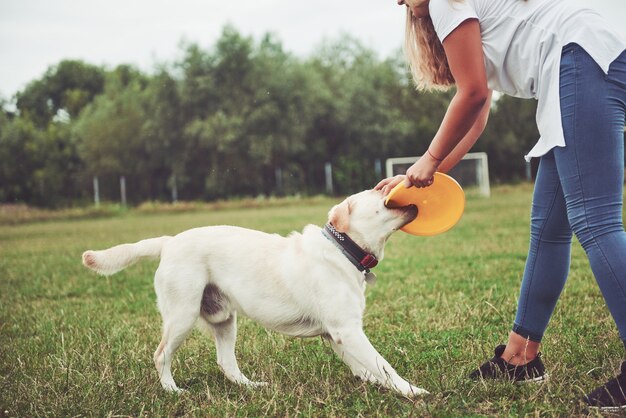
{"type": "Point", "coordinates": [439, 206]}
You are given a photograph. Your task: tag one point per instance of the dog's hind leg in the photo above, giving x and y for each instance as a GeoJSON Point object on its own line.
{"type": "Point", "coordinates": [180, 309]}
{"type": "Point", "coordinates": [175, 330]}
{"type": "Point", "coordinates": [225, 334]}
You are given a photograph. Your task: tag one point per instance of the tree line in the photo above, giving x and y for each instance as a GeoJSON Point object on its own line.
{"type": "Point", "coordinates": [243, 117]}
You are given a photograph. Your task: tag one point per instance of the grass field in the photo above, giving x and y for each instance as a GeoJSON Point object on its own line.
{"type": "Point", "coordinates": [76, 344]}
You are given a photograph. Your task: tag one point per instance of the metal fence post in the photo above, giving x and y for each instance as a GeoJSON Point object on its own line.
{"type": "Point", "coordinates": [96, 191]}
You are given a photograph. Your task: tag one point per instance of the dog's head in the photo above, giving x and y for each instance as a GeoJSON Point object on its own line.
{"type": "Point", "coordinates": [368, 222]}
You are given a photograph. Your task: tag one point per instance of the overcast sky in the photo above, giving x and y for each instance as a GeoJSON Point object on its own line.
{"type": "Point", "coordinates": [35, 34]}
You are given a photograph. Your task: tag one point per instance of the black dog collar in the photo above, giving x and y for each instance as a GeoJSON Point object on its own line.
{"type": "Point", "coordinates": [360, 258]}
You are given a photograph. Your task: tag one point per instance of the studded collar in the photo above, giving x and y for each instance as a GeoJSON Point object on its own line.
{"type": "Point", "coordinates": [360, 258]}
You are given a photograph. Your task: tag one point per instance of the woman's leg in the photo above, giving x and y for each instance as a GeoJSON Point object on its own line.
{"type": "Point", "coordinates": [547, 265]}
{"type": "Point", "coordinates": [582, 183]}
{"type": "Point", "coordinates": [591, 170]}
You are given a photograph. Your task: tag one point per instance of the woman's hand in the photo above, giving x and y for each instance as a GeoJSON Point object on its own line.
{"type": "Point", "coordinates": [421, 173]}
{"type": "Point", "coordinates": [389, 183]}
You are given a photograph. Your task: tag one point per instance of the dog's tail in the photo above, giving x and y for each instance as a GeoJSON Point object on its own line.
{"type": "Point", "coordinates": [114, 259]}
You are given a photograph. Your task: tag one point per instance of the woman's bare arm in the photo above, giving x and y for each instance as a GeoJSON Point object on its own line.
{"type": "Point", "coordinates": [468, 140]}
{"type": "Point", "coordinates": [465, 57]}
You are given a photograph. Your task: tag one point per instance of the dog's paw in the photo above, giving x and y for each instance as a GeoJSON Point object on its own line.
{"type": "Point", "coordinates": [172, 388]}
{"type": "Point", "coordinates": [255, 385]}
{"type": "Point", "coordinates": [414, 392]}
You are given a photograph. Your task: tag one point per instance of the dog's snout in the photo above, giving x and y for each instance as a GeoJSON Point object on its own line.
{"type": "Point", "coordinates": [411, 211]}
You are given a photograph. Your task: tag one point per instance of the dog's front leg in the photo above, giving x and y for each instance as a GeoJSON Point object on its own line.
{"type": "Point", "coordinates": [355, 349]}
{"type": "Point", "coordinates": [357, 368]}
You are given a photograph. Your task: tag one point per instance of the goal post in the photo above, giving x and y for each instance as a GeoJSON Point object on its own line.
{"type": "Point", "coordinates": [471, 172]}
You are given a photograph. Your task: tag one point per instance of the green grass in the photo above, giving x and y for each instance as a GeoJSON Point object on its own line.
{"type": "Point", "coordinates": [73, 343]}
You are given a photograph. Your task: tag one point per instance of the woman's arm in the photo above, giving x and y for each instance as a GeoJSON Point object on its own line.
{"type": "Point", "coordinates": [454, 157]}
{"type": "Point", "coordinates": [468, 140]}
{"type": "Point", "coordinates": [464, 52]}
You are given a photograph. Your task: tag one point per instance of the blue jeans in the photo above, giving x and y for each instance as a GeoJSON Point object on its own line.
{"type": "Point", "coordinates": [579, 189]}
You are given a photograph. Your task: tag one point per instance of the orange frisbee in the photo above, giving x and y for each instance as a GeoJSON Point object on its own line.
{"type": "Point", "coordinates": [439, 206]}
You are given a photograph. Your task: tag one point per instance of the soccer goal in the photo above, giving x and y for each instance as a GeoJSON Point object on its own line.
{"type": "Point", "coordinates": [471, 172]}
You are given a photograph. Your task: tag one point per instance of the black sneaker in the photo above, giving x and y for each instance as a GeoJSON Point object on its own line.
{"type": "Point", "coordinates": [497, 368]}
{"type": "Point", "coordinates": [611, 396]}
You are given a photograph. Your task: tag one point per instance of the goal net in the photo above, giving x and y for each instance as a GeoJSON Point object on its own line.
{"type": "Point", "coordinates": [472, 172]}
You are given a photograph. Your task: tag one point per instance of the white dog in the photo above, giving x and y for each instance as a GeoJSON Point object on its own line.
{"type": "Point", "coordinates": [304, 285]}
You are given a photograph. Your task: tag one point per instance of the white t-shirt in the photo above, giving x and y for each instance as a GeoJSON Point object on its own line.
{"type": "Point", "coordinates": [522, 43]}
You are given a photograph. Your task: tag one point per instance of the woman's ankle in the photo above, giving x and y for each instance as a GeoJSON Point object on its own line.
{"type": "Point", "coordinates": [520, 350]}
{"type": "Point", "coordinates": [516, 358]}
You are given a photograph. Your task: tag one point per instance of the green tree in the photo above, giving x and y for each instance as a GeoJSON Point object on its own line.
{"type": "Point", "coordinates": [162, 134]}
{"type": "Point", "coordinates": [38, 166]}
{"type": "Point", "coordinates": [510, 134]}
{"type": "Point", "coordinates": [65, 89]}
{"type": "Point", "coordinates": [109, 133]}
{"type": "Point", "coordinates": [239, 118]}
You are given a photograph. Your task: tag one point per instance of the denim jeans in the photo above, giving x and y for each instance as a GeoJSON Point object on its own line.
{"type": "Point", "coordinates": [579, 189]}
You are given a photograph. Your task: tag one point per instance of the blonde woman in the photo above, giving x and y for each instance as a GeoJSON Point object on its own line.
{"type": "Point", "coordinates": [567, 59]}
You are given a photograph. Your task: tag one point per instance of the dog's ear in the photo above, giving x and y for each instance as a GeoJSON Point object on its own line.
{"type": "Point", "coordinates": [339, 216]}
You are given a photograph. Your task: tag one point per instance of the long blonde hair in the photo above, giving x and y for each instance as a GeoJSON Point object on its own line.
{"type": "Point", "coordinates": [425, 55]}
